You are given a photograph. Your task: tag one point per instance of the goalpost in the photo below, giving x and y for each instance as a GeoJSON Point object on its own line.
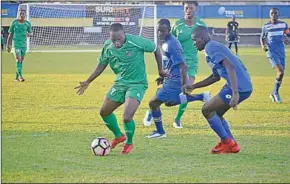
{"type": "Point", "coordinates": [85, 27]}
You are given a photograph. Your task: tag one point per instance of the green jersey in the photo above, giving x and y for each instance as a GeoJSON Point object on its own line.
{"type": "Point", "coordinates": [183, 33]}
{"type": "Point", "coordinates": [127, 62]}
{"type": "Point", "coordinates": [19, 31]}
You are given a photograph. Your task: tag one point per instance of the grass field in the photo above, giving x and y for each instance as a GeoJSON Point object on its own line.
{"type": "Point", "coordinates": [47, 129]}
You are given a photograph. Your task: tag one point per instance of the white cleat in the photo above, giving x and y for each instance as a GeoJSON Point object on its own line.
{"type": "Point", "coordinates": [147, 121]}
{"type": "Point", "coordinates": [175, 125]}
{"type": "Point", "coordinates": [206, 96]}
{"type": "Point", "coordinates": [276, 98]}
{"type": "Point", "coordinates": [156, 135]}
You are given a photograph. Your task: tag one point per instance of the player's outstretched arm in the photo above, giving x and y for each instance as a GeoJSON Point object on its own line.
{"type": "Point", "coordinates": [85, 84]}
{"type": "Point", "coordinates": [8, 44]}
{"type": "Point", "coordinates": [234, 84]}
{"type": "Point", "coordinates": [158, 58]}
{"type": "Point", "coordinates": [206, 82]}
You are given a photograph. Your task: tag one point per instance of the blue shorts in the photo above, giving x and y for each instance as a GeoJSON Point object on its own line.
{"type": "Point", "coordinates": [168, 92]}
{"type": "Point", "coordinates": [277, 61]}
{"type": "Point", "coordinates": [226, 95]}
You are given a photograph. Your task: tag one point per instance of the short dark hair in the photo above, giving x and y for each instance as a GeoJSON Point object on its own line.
{"type": "Point", "coordinates": [164, 22]}
{"type": "Point", "coordinates": [190, 2]}
{"type": "Point", "coordinates": [201, 30]}
{"type": "Point", "coordinates": [116, 27]}
{"type": "Point", "coordinates": [275, 9]}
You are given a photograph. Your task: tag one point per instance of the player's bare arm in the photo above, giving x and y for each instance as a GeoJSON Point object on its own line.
{"type": "Point", "coordinates": [286, 39]}
{"type": "Point", "coordinates": [85, 84]}
{"type": "Point", "coordinates": [206, 82]}
{"type": "Point", "coordinates": [263, 43]}
{"type": "Point", "coordinates": [8, 44]}
{"type": "Point", "coordinates": [158, 58]}
{"type": "Point", "coordinates": [233, 79]}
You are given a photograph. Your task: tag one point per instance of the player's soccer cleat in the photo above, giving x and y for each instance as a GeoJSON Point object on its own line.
{"type": "Point", "coordinates": [118, 140]}
{"type": "Point", "coordinates": [226, 146]}
{"type": "Point", "coordinates": [16, 80]}
{"type": "Point", "coordinates": [275, 98]}
{"type": "Point", "coordinates": [155, 134]}
{"type": "Point", "coordinates": [148, 118]}
{"type": "Point", "coordinates": [21, 79]}
{"type": "Point", "coordinates": [127, 148]}
{"type": "Point", "coordinates": [177, 124]}
{"type": "Point", "coordinates": [206, 96]}
{"type": "Point", "coordinates": [234, 148]}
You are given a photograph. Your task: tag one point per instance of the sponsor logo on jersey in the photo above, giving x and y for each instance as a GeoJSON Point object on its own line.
{"type": "Point", "coordinates": [128, 53]}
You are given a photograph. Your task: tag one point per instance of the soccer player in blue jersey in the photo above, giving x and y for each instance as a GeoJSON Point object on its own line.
{"type": "Point", "coordinates": [171, 91]}
{"type": "Point", "coordinates": [238, 87]}
{"type": "Point", "coordinates": [272, 43]}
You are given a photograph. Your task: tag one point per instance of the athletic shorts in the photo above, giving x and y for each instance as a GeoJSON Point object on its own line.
{"type": "Point", "coordinates": [277, 61]}
{"type": "Point", "coordinates": [118, 93]}
{"type": "Point", "coordinates": [233, 38]}
{"type": "Point", "coordinates": [192, 67]}
{"type": "Point", "coordinates": [20, 51]}
{"type": "Point", "coordinates": [226, 95]}
{"type": "Point", "coordinates": [170, 90]}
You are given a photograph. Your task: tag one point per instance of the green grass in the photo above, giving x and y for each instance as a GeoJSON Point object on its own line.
{"type": "Point", "coordinates": [47, 129]}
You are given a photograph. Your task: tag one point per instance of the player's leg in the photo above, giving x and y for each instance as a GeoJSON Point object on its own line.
{"type": "Point", "coordinates": [213, 111]}
{"type": "Point", "coordinates": [23, 52]}
{"type": "Point", "coordinates": [157, 100]}
{"type": "Point", "coordinates": [192, 67]}
{"type": "Point", "coordinates": [279, 64]}
{"type": "Point", "coordinates": [115, 97]}
{"type": "Point", "coordinates": [130, 107]}
{"type": "Point", "coordinates": [209, 112]}
{"type": "Point", "coordinates": [220, 112]}
{"type": "Point", "coordinates": [18, 58]}
{"type": "Point", "coordinates": [236, 47]}
{"type": "Point", "coordinates": [134, 95]}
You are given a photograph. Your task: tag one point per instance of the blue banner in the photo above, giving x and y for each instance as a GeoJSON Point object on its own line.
{"type": "Point", "coordinates": [224, 11]}
{"type": "Point", "coordinates": [9, 10]}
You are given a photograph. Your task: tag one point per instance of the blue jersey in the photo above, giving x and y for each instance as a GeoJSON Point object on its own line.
{"type": "Point", "coordinates": [215, 53]}
{"type": "Point", "coordinates": [274, 34]}
{"type": "Point", "coordinates": [172, 57]}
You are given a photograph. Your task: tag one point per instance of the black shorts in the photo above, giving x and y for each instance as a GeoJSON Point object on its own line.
{"type": "Point", "coordinates": [233, 38]}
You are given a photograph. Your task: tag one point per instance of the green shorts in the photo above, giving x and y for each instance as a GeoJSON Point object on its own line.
{"type": "Point", "coordinates": [118, 93]}
{"type": "Point", "coordinates": [20, 51]}
{"type": "Point", "coordinates": [192, 67]}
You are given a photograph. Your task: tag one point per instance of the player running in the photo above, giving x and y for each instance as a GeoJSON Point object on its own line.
{"type": "Point", "coordinates": [182, 30]}
{"type": "Point", "coordinates": [237, 89]}
{"type": "Point", "coordinates": [232, 33]}
{"type": "Point", "coordinates": [272, 43]}
{"type": "Point", "coordinates": [125, 55]}
{"type": "Point", "coordinates": [171, 91]}
{"type": "Point", "coordinates": [19, 30]}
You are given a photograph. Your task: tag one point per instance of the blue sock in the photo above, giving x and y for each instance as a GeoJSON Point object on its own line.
{"type": "Point", "coordinates": [216, 124]}
{"type": "Point", "coordinates": [276, 86]}
{"type": "Point", "coordinates": [227, 128]}
{"type": "Point", "coordinates": [157, 117]}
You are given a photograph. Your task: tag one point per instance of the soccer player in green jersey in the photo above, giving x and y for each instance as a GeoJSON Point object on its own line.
{"type": "Point", "coordinates": [182, 30]}
{"type": "Point", "coordinates": [19, 30]}
{"type": "Point", "coordinates": [125, 55]}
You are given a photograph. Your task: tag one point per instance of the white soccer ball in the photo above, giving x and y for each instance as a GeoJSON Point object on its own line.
{"type": "Point", "coordinates": [221, 10]}
{"type": "Point", "coordinates": [100, 146]}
